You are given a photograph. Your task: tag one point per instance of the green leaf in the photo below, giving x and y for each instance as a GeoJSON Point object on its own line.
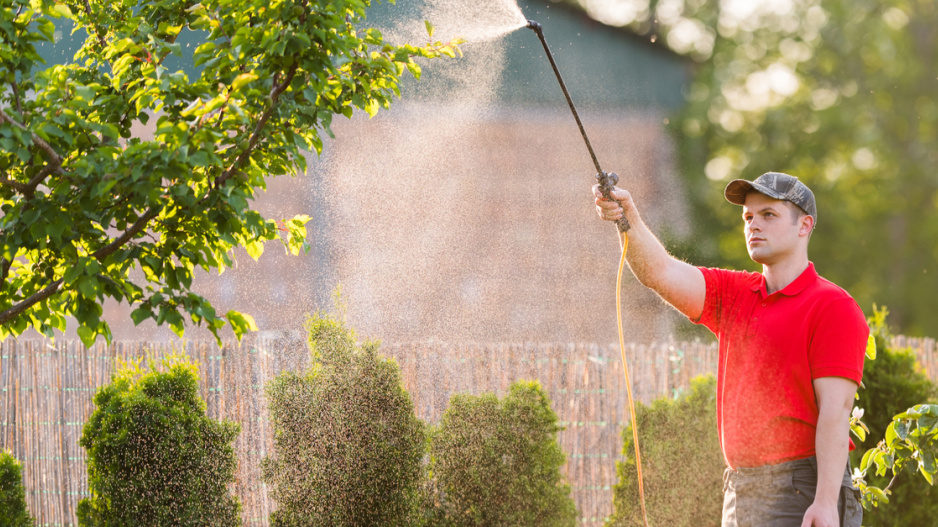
{"type": "Point", "coordinates": [372, 107]}
{"type": "Point", "coordinates": [429, 28]}
{"type": "Point", "coordinates": [62, 10]}
{"type": "Point", "coordinates": [891, 436]}
{"type": "Point", "coordinates": [87, 336]}
{"type": "Point", "coordinates": [255, 249]}
{"type": "Point", "coordinates": [241, 323]}
{"type": "Point", "coordinates": [859, 432]}
{"type": "Point", "coordinates": [878, 494]}
{"type": "Point", "coordinates": [140, 314]}
{"type": "Point", "coordinates": [865, 461]}
{"type": "Point", "coordinates": [902, 429]}
{"type": "Point", "coordinates": [871, 347]}
{"type": "Point", "coordinates": [243, 79]}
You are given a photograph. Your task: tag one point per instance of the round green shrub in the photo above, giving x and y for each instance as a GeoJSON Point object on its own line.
{"type": "Point", "coordinates": [154, 457]}
{"type": "Point", "coordinates": [497, 463]}
{"type": "Point", "coordinates": [347, 445]}
{"type": "Point", "coordinates": [13, 512]}
{"type": "Point", "coordinates": [682, 465]}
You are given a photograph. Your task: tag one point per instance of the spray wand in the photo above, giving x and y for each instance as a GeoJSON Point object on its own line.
{"type": "Point", "coordinates": [606, 181]}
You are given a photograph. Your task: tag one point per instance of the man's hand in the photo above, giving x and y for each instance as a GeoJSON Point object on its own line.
{"type": "Point", "coordinates": [613, 210]}
{"type": "Point", "coordinates": [819, 515]}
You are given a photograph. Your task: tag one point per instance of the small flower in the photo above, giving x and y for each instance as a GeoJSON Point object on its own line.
{"type": "Point", "coordinates": [857, 412]}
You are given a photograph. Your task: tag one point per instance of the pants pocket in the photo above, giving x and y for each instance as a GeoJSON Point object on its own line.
{"type": "Point", "coordinates": [851, 510]}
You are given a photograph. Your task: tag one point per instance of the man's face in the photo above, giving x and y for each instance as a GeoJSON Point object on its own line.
{"type": "Point", "coordinates": [771, 234]}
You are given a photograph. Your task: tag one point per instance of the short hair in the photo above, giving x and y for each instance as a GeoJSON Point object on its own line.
{"type": "Point", "coordinates": [796, 212]}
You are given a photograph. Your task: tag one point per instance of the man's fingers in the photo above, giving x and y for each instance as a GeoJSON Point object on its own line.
{"type": "Point", "coordinates": [610, 209]}
{"type": "Point", "coordinates": [605, 213]}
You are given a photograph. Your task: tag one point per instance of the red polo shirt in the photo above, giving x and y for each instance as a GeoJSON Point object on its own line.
{"type": "Point", "coordinates": [771, 349]}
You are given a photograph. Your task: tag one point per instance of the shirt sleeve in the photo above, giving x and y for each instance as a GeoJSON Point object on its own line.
{"type": "Point", "coordinates": [722, 286]}
{"type": "Point", "coordinates": [838, 343]}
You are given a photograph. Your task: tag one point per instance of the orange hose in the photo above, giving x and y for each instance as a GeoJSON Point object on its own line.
{"type": "Point", "coordinates": [628, 384]}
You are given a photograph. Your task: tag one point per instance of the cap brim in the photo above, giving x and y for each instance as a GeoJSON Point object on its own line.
{"type": "Point", "coordinates": [738, 188]}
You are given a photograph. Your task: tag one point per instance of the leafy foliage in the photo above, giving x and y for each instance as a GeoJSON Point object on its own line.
{"type": "Point", "coordinates": [893, 383]}
{"type": "Point", "coordinates": [681, 462]}
{"type": "Point", "coordinates": [496, 462]}
{"type": "Point", "coordinates": [154, 457]}
{"type": "Point", "coordinates": [347, 444]}
{"type": "Point", "coordinates": [13, 512]}
{"type": "Point", "coordinates": [84, 203]}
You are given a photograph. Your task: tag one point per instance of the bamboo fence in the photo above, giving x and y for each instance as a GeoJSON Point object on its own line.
{"type": "Point", "coordinates": [48, 388]}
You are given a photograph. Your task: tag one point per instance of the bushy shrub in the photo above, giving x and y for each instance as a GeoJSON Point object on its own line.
{"type": "Point", "coordinates": [154, 457]}
{"type": "Point", "coordinates": [347, 444]}
{"type": "Point", "coordinates": [682, 465]}
{"type": "Point", "coordinates": [13, 512]}
{"type": "Point", "coordinates": [893, 383]}
{"type": "Point", "coordinates": [497, 463]}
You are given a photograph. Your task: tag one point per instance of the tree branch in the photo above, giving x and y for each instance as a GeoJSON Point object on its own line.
{"type": "Point", "coordinates": [274, 97]}
{"type": "Point", "coordinates": [53, 158]}
{"type": "Point", "coordinates": [37, 297]}
{"type": "Point", "coordinates": [134, 229]}
{"type": "Point", "coordinates": [16, 97]}
{"type": "Point", "coordinates": [99, 255]}
{"type": "Point", "coordinates": [15, 185]}
{"type": "Point", "coordinates": [97, 31]}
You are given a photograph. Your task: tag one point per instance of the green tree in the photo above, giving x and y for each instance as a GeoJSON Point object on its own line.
{"type": "Point", "coordinates": [347, 445]}
{"type": "Point", "coordinates": [84, 203]}
{"type": "Point", "coordinates": [682, 464]}
{"type": "Point", "coordinates": [154, 457]}
{"type": "Point", "coordinates": [837, 92]}
{"type": "Point", "coordinates": [13, 511]}
{"type": "Point", "coordinates": [496, 462]}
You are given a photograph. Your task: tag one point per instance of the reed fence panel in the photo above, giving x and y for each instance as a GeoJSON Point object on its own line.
{"type": "Point", "coordinates": [48, 389]}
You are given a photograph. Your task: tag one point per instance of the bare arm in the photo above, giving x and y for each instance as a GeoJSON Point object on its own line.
{"type": "Point", "coordinates": [832, 443]}
{"type": "Point", "coordinates": [678, 283]}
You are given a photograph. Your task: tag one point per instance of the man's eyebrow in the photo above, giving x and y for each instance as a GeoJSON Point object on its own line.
{"type": "Point", "coordinates": [767, 208]}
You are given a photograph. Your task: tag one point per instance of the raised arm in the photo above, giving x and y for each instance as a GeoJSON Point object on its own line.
{"type": "Point", "coordinates": [678, 283]}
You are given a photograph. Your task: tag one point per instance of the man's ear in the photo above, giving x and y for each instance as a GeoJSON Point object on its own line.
{"type": "Point", "coordinates": [807, 225]}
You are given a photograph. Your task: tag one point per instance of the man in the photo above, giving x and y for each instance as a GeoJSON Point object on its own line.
{"type": "Point", "coordinates": [791, 356]}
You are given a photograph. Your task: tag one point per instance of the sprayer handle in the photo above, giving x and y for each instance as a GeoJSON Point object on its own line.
{"type": "Point", "coordinates": [606, 181]}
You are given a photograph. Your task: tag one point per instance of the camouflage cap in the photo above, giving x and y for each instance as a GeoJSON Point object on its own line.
{"type": "Point", "coordinates": [774, 185]}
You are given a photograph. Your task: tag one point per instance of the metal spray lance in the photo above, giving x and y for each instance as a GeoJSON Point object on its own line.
{"type": "Point", "coordinates": [606, 181]}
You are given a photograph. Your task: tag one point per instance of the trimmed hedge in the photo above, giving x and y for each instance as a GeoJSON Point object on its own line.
{"type": "Point", "coordinates": [682, 463]}
{"type": "Point", "coordinates": [496, 462]}
{"type": "Point", "coordinates": [13, 512]}
{"type": "Point", "coordinates": [154, 457]}
{"type": "Point", "coordinates": [347, 444]}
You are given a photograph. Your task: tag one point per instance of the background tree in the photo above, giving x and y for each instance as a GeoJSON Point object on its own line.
{"type": "Point", "coordinates": [347, 444]}
{"type": "Point", "coordinates": [837, 92]}
{"type": "Point", "coordinates": [84, 203]}
{"type": "Point", "coordinates": [154, 457]}
{"type": "Point", "coordinates": [496, 462]}
{"type": "Point", "coordinates": [13, 511]}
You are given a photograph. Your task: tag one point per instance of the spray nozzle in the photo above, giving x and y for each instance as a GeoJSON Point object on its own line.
{"type": "Point", "coordinates": [535, 26]}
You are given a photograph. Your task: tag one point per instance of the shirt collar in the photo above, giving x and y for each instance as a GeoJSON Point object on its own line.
{"type": "Point", "coordinates": [806, 278]}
